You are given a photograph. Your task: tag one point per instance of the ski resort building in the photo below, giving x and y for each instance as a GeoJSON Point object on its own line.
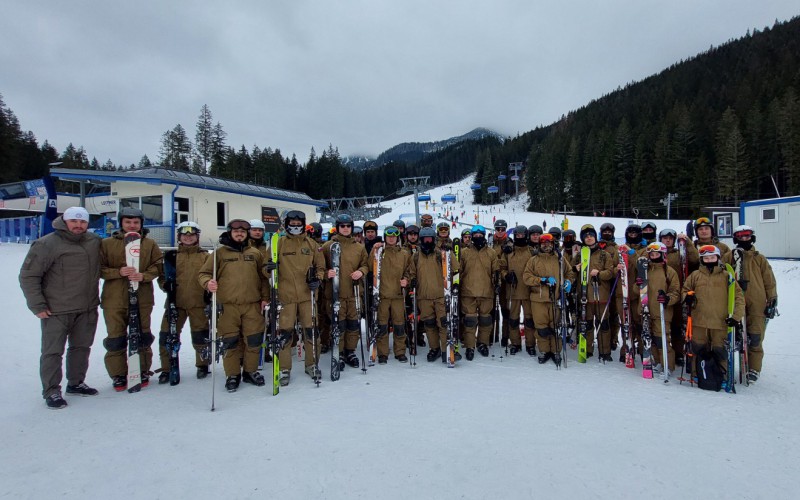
{"type": "Point", "coordinates": [773, 221]}
{"type": "Point", "coordinates": [167, 198]}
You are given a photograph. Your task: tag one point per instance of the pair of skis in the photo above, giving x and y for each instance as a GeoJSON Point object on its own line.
{"type": "Point", "coordinates": [450, 308]}
{"type": "Point", "coordinates": [373, 329]}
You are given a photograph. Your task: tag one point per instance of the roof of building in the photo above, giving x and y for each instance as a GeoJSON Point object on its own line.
{"type": "Point", "coordinates": [157, 175]}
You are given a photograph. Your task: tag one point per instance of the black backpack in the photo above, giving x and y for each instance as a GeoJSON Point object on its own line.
{"type": "Point", "coordinates": [710, 373]}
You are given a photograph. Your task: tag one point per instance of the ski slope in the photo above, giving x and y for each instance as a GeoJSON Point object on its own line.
{"type": "Point", "coordinates": [497, 427]}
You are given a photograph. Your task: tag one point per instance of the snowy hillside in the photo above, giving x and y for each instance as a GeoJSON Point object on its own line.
{"type": "Point", "coordinates": [498, 427]}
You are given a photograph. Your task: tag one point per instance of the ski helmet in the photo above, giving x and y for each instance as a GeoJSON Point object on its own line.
{"type": "Point", "coordinates": [636, 231]}
{"type": "Point", "coordinates": [568, 236]}
{"type": "Point", "coordinates": [657, 246]}
{"type": "Point", "coordinates": [649, 231]}
{"type": "Point", "coordinates": [426, 220]}
{"type": "Point", "coordinates": [391, 231]}
{"type": "Point", "coordinates": [500, 225]}
{"type": "Point", "coordinates": [257, 224]}
{"type": "Point", "coordinates": [316, 230]}
{"type": "Point", "coordinates": [443, 228]}
{"type": "Point", "coordinates": [478, 229]}
{"type": "Point", "coordinates": [588, 230]}
{"type": "Point", "coordinates": [546, 241]}
{"type": "Point", "coordinates": [343, 220]}
{"type": "Point", "coordinates": [606, 227]}
{"type": "Point", "coordinates": [707, 250]}
{"type": "Point", "coordinates": [535, 229]}
{"type": "Point", "coordinates": [704, 222]}
{"type": "Point", "coordinates": [466, 232]}
{"type": "Point", "coordinates": [294, 215]}
{"type": "Point", "coordinates": [399, 224]}
{"type": "Point", "coordinates": [555, 231]}
{"type": "Point", "coordinates": [667, 232]}
{"type": "Point", "coordinates": [370, 225]}
{"type": "Point", "coordinates": [238, 224]}
{"type": "Point", "coordinates": [743, 230]}
{"type": "Point", "coordinates": [130, 213]}
{"type": "Point", "coordinates": [412, 229]}
{"type": "Point", "coordinates": [187, 227]}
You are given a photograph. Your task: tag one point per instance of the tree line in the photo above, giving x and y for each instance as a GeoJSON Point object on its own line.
{"type": "Point", "coordinates": [719, 128]}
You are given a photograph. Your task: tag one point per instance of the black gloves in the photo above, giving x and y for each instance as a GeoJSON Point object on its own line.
{"type": "Point", "coordinates": [313, 283]}
{"type": "Point", "coordinates": [511, 278]}
{"type": "Point", "coordinates": [270, 266]}
{"type": "Point", "coordinates": [662, 297]}
{"type": "Point", "coordinates": [690, 300]}
{"type": "Point", "coordinates": [507, 249]}
{"type": "Point", "coordinates": [731, 322]}
{"type": "Point", "coordinates": [772, 307]}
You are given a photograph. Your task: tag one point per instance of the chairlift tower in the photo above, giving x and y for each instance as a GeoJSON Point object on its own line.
{"type": "Point", "coordinates": [415, 185]}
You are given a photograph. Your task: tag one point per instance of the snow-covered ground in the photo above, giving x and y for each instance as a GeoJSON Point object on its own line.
{"type": "Point", "coordinates": [490, 428]}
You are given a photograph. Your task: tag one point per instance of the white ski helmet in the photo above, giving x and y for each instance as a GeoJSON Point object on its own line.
{"type": "Point", "coordinates": [257, 224]}
{"type": "Point", "coordinates": [187, 227]}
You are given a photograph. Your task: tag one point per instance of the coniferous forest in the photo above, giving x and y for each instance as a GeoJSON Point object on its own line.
{"type": "Point", "coordinates": [716, 129]}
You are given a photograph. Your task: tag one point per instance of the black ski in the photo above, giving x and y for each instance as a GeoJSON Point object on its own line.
{"type": "Point", "coordinates": [173, 344]}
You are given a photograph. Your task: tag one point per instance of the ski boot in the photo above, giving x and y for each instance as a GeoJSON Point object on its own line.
{"type": "Point", "coordinates": [752, 376]}
{"type": "Point", "coordinates": [202, 372]}
{"type": "Point", "coordinates": [514, 349]}
{"type": "Point", "coordinates": [483, 349]}
{"type": "Point", "coordinates": [543, 357]}
{"type": "Point", "coordinates": [351, 359]}
{"type": "Point", "coordinates": [470, 354]}
{"type": "Point", "coordinates": [531, 350]}
{"type": "Point", "coordinates": [120, 383]}
{"type": "Point", "coordinates": [433, 355]}
{"type": "Point", "coordinates": [401, 358]}
{"type": "Point", "coordinates": [163, 377]}
{"type": "Point", "coordinates": [254, 378]}
{"type": "Point", "coordinates": [284, 378]}
{"type": "Point", "coordinates": [232, 383]}
{"type": "Point", "coordinates": [382, 360]}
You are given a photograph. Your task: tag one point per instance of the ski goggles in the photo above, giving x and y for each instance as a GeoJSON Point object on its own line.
{"type": "Point", "coordinates": [657, 247]}
{"type": "Point", "coordinates": [188, 230]}
{"type": "Point", "coordinates": [391, 231]}
{"type": "Point", "coordinates": [240, 224]}
{"type": "Point", "coordinates": [546, 238]}
{"type": "Point", "coordinates": [295, 230]}
{"type": "Point", "coordinates": [707, 250]}
{"type": "Point", "coordinates": [703, 221]}
{"type": "Point", "coordinates": [443, 230]}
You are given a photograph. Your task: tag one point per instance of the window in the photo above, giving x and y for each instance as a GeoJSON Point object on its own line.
{"type": "Point", "coordinates": [769, 215]}
{"type": "Point", "coordinates": [222, 219]}
{"type": "Point", "coordinates": [724, 225]}
{"type": "Point", "coordinates": [180, 211]}
{"type": "Point", "coordinates": [151, 206]}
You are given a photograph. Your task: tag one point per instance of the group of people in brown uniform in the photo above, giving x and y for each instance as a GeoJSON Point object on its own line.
{"type": "Point", "coordinates": [511, 290]}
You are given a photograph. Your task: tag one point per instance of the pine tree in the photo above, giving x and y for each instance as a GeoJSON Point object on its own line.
{"type": "Point", "coordinates": [732, 164]}
{"type": "Point", "coordinates": [176, 149]}
{"type": "Point", "coordinates": [204, 139]}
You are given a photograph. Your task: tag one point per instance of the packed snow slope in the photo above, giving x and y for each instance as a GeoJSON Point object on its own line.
{"type": "Point", "coordinates": [491, 428]}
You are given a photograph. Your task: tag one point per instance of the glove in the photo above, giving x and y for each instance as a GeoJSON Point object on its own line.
{"type": "Point", "coordinates": [690, 300]}
{"type": "Point", "coordinates": [662, 297]}
{"type": "Point", "coordinates": [413, 283]}
{"type": "Point", "coordinates": [639, 281]}
{"type": "Point", "coordinates": [313, 283]}
{"type": "Point", "coordinates": [511, 278]}
{"type": "Point", "coordinates": [567, 286]}
{"type": "Point", "coordinates": [772, 306]}
{"type": "Point", "coordinates": [550, 281]}
{"type": "Point", "coordinates": [270, 266]}
{"type": "Point", "coordinates": [507, 249]}
{"type": "Point", "coordinates": [731, 322]}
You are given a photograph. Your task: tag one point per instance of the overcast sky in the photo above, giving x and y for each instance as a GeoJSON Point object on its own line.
{"type": "Point", "coordinates": [113, 76]}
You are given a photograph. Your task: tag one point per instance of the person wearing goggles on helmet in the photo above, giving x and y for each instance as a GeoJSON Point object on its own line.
{"type": "Point", "coordinates": [706, 292]}
{"type": "Point", "coordinates": [114, 296]}
{"type": "Point", "coordinates": [443, 236]}
{"type": "Point", "coordinates": [706, 235]}
{"type": "Point", "coordinates": [757, 280]}
{"type": "Point", "coordinates": [393, 264]}
{"type": "Point", "coordinates": [601, 271]}
{"type": "Point", "coordinates": [502, 244]}
{"type": "Point", "coordinates": [542, 274]}
{"type": "Point", "coordinates": [512, 266]}
{"type": "Point", "coordinates": [480, 281]}
{"type": "Point", "coordinates": [242, 288]}
{"type": "Point", "coordinates": [663, 288]}
{"type": "Point", "coordinates": [187, 261]}
{"type": "Point", "coordinates": [352, 268]}
{"type": "Point", "coordinates": [301, 268]}
{"type": "Point", "coordinates": [669, 237]}
{"type": "Point", "coordinates": [426, 220]}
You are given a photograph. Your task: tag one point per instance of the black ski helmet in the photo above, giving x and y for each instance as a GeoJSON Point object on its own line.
{"type": "Point", "coordinates": [130, 213]}
{"type": "Point", "coordinates": [343, 219]}
{"type": "Point", "coordinates": [294, 215]}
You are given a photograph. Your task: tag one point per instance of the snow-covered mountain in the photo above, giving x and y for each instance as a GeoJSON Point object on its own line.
{"type": "Point", "coordinates": [413, 151]}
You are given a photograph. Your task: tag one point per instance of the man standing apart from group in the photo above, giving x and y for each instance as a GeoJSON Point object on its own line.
{"type": "Point", "coordinates": [59, 279]}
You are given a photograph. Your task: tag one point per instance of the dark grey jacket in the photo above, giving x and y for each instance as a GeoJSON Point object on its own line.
{"type": "Point", "coordinates": [62, 272]}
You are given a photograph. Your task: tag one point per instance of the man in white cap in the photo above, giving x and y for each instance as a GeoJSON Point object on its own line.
{"type": "Point", "coordinates": [59, 279]}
